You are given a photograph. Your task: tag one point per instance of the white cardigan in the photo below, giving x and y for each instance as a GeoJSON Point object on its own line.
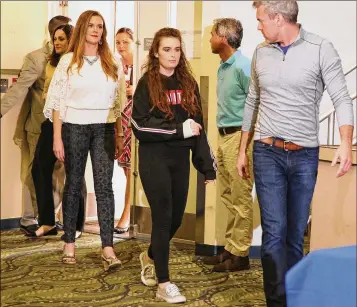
{"type": "Point", "coordinates": [89, 97]}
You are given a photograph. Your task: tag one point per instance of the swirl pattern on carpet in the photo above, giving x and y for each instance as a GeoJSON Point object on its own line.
{"type": "Point", "coordinates": [32, 274]}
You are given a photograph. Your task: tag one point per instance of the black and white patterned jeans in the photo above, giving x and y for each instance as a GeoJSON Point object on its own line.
{"type": "Point", "coordinates": [99, 140]}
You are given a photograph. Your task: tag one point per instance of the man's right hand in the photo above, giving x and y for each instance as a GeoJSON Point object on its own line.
{"type": "Point", "coordinates": [243, 165]}
{"type": "Point", "coordinates": [58, 149]}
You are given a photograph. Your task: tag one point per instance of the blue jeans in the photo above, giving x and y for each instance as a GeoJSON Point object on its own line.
{"type": "Point", "coordinates": [285, 182]}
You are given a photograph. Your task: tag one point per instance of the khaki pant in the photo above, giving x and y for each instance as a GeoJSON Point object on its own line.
{"type": "Point", "coordinates": [30, 209]}
{"type": "Point", "coordinates": [236, 194]}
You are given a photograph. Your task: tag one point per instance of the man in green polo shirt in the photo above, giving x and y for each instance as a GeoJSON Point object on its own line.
{"type": "Point", "coordinates": [236, 193]}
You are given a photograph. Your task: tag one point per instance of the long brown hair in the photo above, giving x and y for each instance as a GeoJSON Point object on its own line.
{"type": "Point", "coordinates": [183, 74]}
{"type": "Point", "coordinates": [76, 45]}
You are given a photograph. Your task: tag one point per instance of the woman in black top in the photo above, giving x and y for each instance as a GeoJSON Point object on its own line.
{"type": "Point", "coordinates": [167, 120]}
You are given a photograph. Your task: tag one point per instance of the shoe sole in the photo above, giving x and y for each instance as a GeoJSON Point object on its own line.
{"type": "Point", "coordinates": [25, 231]}
{"type": "Point", "coordinates": [108, 268]}
{"type": "Point", "coordinates": [213, 262]}
{"type": "Point", "coordinates": [120, 231]}
{"type": "Point", "coordinates": [233, 270]}
{"type": "Point", "coordinates": [168, 300]}
{"type": "Point", "coordinates": [141, 275]}
{"type": "Point", "coordinates": [72, 260]}
{"type": "Point", "coordinates": [205, 263]}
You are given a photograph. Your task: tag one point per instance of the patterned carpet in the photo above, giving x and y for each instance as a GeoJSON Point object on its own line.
{"type": "Point", "coordinates": [32, 275]}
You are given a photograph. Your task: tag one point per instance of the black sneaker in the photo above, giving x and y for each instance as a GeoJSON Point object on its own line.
{"type": "Point", "coordinates": [29, 229]}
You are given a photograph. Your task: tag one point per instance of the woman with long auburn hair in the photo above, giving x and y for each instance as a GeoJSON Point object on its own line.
{"type": "Point", "coordinates": [167, 120]}
{"type": "Point", "coordinates": [84, 100]}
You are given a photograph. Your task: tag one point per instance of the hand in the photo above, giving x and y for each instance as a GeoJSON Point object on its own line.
{"type": "Point", "coordinates": [129, 91]}
{"type": "Point", "coordinates": [344, 156]}
{"type": "Point", "coordinates": [58, 149]}
{"type": "Point", "coordinates": [195, 128]}
{"type": "Point", "coordinates": [208, 181]}
{"type": "Point", "coordinates": [119, 146]}
{"type": "Point", "coordinates": [243, 165]}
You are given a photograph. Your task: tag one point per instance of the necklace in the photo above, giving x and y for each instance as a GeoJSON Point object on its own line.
{"type": "Point", "coordinates": [91, 62]}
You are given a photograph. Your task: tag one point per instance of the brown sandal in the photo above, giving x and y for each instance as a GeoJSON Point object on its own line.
{"type": "Point", "coordinates": [110, 263]}
{"type": "Point", "coordinates": [68, 258]}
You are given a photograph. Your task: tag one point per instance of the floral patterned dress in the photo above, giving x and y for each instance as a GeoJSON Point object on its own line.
{"type": "Point", "coordinates": [125, 158]}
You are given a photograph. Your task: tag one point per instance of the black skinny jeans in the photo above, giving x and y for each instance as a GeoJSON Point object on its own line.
{"type": "Point", "coordinates": [99, 140]}
{"type": "Point", "coordinates": [164, 172]}
{"type": "Point", "coordinates": [42, 170]}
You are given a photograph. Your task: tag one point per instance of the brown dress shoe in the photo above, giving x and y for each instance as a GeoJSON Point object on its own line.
{"type": "Point", "coordinates": [213, 260]}
{"type": "Point", "coordinates": [233, 264]}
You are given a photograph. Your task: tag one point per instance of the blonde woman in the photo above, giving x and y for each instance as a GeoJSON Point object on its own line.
{"type": "Point", "coordinates": [124, 41]}
{"type": "Point", "coordinates": [84, 100]}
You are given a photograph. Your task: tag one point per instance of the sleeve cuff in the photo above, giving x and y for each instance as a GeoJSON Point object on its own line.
{"type": "Point", "coordinates": [211, 175]}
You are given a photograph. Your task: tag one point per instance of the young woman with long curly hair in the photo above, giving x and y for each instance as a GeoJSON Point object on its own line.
{"type": "Point", "coordinates": [167, 120]}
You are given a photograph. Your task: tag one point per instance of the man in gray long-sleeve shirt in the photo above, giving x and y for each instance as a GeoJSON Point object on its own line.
{"type": "Point", "coordinates": [289, 73]}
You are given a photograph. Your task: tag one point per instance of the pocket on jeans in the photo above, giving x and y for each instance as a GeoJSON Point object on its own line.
{"type": "Point", "coordinates": [312, 152]}
{"type": "Point", "coordinates": [259, 146]}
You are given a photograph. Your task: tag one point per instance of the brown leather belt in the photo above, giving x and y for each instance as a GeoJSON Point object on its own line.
{"type": "Point", "coordinates": [286, 145]}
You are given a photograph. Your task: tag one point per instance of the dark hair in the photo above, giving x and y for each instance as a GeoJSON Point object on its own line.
{"type": "Point", "coordinates": [183, 74]}
{"type": "Point", "coordinates": [57, 21]}
{"type": "Point", "coordinates": [127, 31]}
{"type": "Point", "coordinates": [231, 29]}
{"type": "Point", "coordinates": [55, 57]}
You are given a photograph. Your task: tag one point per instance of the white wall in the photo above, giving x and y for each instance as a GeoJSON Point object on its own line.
{"type": "Point", "coordinates": [125, 14]}
{"type": "Point", "coordinates": [22, 34]}
{"type": "Point", "coordinates": [19, 36]}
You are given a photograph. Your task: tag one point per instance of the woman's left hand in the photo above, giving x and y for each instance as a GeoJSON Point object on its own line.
{"type": "Point", "coordinates": [119, 146]}
{"type": "Point", "coordinates": [208, 181]}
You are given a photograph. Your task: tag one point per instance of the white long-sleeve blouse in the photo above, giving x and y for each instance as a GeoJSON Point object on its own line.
{"type": "Point", "coordinates": [89, 97]}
